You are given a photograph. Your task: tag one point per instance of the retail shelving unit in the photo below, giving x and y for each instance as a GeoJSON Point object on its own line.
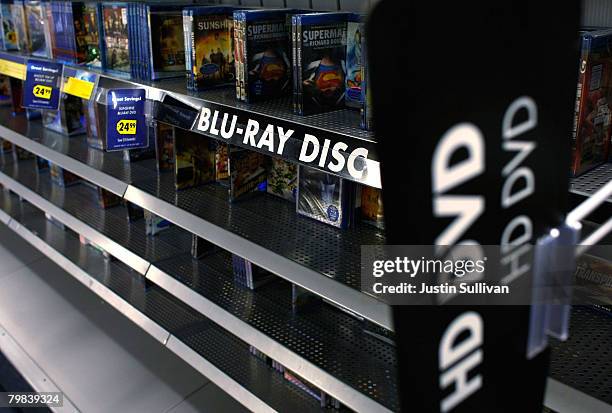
{"type": "Point", "coordinates": [194, 308]}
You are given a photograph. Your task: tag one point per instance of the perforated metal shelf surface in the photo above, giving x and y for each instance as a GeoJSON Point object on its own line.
{"type": "Point", "coordinates": [584, 361]}
{"type": "Point", "coordinates": [274, 224]}
{"type": "Point", "coordinates": [326, 337]}
{"type": "Point", "coordinates": [588, 183]}
{"type": "Point", "coordinates": [322, 335]}
{"type": "Point", "coordinates": [75, 147]}
{"type": "Point", "coordinates": [79, 201]}
{"type": "Point", "coordinates": [209, 340]}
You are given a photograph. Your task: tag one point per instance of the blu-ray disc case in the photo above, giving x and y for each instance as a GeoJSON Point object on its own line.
{"type": "Point", "coordinates": [164, 148]}
{"type": "Point", "coordinates": [372, 206]}
{"type": "Point", "coordinates": [354, 61]}
{"type": "Point", "coordinates": [320, 61]}
{"type": "Point", "coordinates": [166, 53]}
{"type": "Point", "coordinates": [19, 20]}
{"type": "Point", "coordinates": [38, 30]}
{"type": "Point", "coordinates": [194, 160]}
{"type": "Point", "coordinates": [209, 49]}
{"type": "Point", "coordinates": [9, 32]}
{"type": "Point", "coordinates": [282, 179]}
{"type": "Point", "coordinates": [324, 197]}
{"type": "Point", "coordinates": [263, 56]}
{"type": "Point", "coordinates": [116, 41]}
{"type": "Point", "coordinates": [593, 116]}
{"type": "Point", "coordinates": [248, 172]}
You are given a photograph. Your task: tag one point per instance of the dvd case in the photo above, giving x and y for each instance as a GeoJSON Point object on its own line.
{"type": "Point", "coordinates": [9, 32]}
{"type": "Point", "coordinates": [154, 224]}
{"type": "Point", "coordinates": [248, 172]}
{"type": "Point", "coordinates": [86, 16]}
{"type": "Point", "coordinates": [20, 154]}
{"type": "Point", "coordinates": [200, 247]}
{"type": "Point", "coordinates": [262, 48]}
{"type": "Point", "coordinates": [38, 30]}
{"type": "Point", "coordinates": [19, 20]}
{"type": "Point", "coordinates": [593, 110]}
{"type": "Point", "coordinates": [62, 177]}
{"type": "Point", "coordinates": [248, 274]}
{"type": "Point", "coordinates": [164, 148]}
{"type": "Point", "coordinates": [194, 159]}
{"type": "Point", "coordinates": [282, 179]}
{"type": "Point", "coordinates": [209, 47]}
{"type": "Point", "coordinates": [321, 40]}
{"type": "Point", "coordinates": [16, 87]}
{"type": "Point", "coordinates": [106, 199]}
{"type": "Point", "coordinates": [354, 61]}
{"type": "Point", "coordinates": [222, 163]}
{"type": "Point", "coordinates": [166, 52]}
{"type": "Point", "coordinates": [372, 206]}
{"type": "Point", "coordinates": [116, 40]}
{"type": "Point", "coordinates": [94, 114]}
{"type": "Point", "coordinates": [324, 197]}
{"type": "Point", "coordinates": [5, 91]}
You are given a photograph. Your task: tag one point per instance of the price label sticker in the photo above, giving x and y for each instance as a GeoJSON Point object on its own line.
{"type": "Point", "coordinates": [125, 119]}
{"type": "Point", "coordinates": [42, 91]}
{"type": "Point", "coordinates": [12, 69]}
{"type": "Point", "coordinates": [78, 87]}
{"type": "Point", "coordinates": [41, 87]}
{"type": "Point", "coordinates": [127, 127]}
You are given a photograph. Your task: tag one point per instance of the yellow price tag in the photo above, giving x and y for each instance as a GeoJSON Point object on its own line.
{"type": "Point", "coordinates": [78, 87]}
{"type": "Point", "coordinates": [12, 69]}
{"type": "Point", "coordinates": [126, 127]}
{"type": "Point", "coordinates": [42, 91]}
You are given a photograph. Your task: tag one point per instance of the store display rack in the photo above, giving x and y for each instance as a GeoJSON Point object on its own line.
{"type": "Point", "coordinates": [319, 258]}
{"type": "Point", "coordinates": [326, 346]}
{"type": "Point", "coordinates": [337, 126]}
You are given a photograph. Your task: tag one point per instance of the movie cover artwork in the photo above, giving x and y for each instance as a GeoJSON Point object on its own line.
{"type": "Point", "coordinates": [222, 163]}
{"type": "Point", "coordinates": [320, 196]}
{"type": "Point", "coordinates": [267, 53]}
{"type": "Point", "coordinates": [168, 44]}
{"type": "Point", "coordinates": [354, 60]}
{"type": "Point", "coordinates": [19, 21]}
{"type": "Point", "coordinates": [38, 31]}
{"type": "Point", "coordinates": [214, 56]}
{"type": "Point", "coordinates": [248, 172]}
{"type": "Point", "coordinates": [372, 206]}
{"type": "Point", "coordinates": [164, 138]}
{"type": "Point", "coordinates": [9, 32]}
{"type": "Point", "coordinates": [282, 179]}
{"type": "Point", "coordinates": [5, 91]}
{"type": "Point", "coordinates": [593, 118]}
{"type": "Point", "coordinates": [323, 52]}
{"type": "Point", "coordinates": [116, 38]}
{"type": "Point", "coordinates": [87, 34]}
{"type": "Point", "coordinates": [195, 159]}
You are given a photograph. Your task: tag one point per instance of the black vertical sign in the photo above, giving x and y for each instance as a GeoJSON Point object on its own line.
{"type": "Point", "coordinates": [473, 105]}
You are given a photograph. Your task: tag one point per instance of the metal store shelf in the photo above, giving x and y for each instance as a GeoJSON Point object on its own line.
{"type": "Point", "coordinates": [340, 125]}
{"type": "Point", "coordinates": [264, 230]}
{"type": "Point", "coordinates": [268, 232]}
{"type": "Point", "coordinates": [105, 169]}
{"type": "Point", "coordinates": [51, 198]}
{"type": "Point", "coordinates": [584, 361]}
{"type": "Point", "coordinates": [588, 183]}
{"type": "Point", "coordinates": [325, 346]}
{"type": "Point", "coordinates": [213, 351]}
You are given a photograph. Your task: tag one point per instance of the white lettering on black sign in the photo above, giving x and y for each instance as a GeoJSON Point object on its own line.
{"type": "Point", "coordinates": [315, 151]}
